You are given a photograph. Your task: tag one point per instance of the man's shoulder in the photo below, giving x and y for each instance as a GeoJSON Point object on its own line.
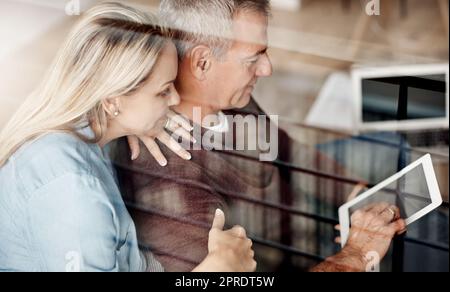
{"type": "Point", "coordinates": [203, 164]}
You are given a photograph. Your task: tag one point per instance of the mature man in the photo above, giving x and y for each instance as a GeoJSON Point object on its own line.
{"type": "Point", "coordinates": [222, 46]}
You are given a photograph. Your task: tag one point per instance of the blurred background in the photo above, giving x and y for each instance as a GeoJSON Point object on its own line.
{"type": "Point", "coordinates": [314, 45]}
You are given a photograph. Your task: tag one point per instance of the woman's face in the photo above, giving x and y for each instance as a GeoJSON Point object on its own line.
{"type": "Point", "coordinates": [144, 112]}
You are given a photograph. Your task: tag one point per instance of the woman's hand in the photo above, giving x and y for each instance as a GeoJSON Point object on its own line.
{"type": "Point", "coordinates": [229, 251]}
{"type": "Point", "coordinates": [177, 125]}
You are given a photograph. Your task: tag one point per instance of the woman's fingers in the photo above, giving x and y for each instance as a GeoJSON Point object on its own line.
{"type": "Point", "coordinates": [154, 150]}
{"type": "Point", "coordinates": [133, 142]}
{"type": "Point", "coordinates": [173, 145]}
{"type": "Point", "coordinates": [178, 119]}
{"type": "Point", "coordinates": [183, 133]}
{"type": "Point", "coordinates": [237, 248]}
{"type": "Point", "coordinates": [253, 266]}
{"type": "Point", "coordinates": [180, 127]}
{"type": "Point", "coordinates": [219, 220]}
{"type": "Point", "coordinates": [238, 231]}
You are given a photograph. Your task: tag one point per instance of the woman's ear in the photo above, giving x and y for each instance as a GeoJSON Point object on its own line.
{"type": "Point", "coordinates": [200, 61]}
{"type": "Point", "coordinates": [112, 106]}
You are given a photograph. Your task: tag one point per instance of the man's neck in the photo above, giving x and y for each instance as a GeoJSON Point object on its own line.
{"type": "Point", "coordinates": [187, 107]}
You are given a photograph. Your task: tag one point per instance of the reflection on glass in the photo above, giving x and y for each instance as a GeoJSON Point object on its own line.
{"type": "Point", "coordinates": [404, 98]}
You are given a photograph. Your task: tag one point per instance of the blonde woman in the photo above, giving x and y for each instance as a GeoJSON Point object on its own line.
{"type": "Point", "coordinates": [60, 206]}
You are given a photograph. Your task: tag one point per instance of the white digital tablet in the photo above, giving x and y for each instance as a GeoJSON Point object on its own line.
{"type": "Point", "coordinates": [414, 190]}
{"type": "Point", "coordinates": [405, 97]}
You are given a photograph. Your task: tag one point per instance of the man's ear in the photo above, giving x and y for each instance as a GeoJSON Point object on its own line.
{"type": "Point", "coordinates": [201, 61]}
{"type": "Point", "coordinates": [112, 106]}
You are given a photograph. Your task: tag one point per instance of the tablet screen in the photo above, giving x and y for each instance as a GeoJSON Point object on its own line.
{"type": "Point", "coordinates": [409, 193]}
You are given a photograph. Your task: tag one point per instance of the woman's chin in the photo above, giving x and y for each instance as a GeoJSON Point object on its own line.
{"type": "Point", "coordinates": [147, 131]}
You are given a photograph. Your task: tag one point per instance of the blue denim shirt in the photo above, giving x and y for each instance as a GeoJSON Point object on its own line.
{"type": "Point", "coordinates": [61, 210]}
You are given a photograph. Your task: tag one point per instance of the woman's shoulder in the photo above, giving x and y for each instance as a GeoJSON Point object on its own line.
{"type": "Point", "coordinates": [50, 157]}
{"type": "Point", "coordinates": [58, 147]}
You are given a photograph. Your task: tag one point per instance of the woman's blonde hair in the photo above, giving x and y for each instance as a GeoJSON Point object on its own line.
{"type": "Point", "coordinates": [110, 52]}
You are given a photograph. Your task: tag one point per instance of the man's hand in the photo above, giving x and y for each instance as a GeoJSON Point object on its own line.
{"type": "Point", "coordinates": [372, 230]}
{"type": "Point", "coordinates": [177, 125]}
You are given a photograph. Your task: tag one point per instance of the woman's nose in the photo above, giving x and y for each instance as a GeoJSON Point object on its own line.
{"type": "Point", "coordinates": [174, 98]}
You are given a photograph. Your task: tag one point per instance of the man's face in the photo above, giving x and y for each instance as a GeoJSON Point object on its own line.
{"type": "Point", "coordinates": [234, 78]}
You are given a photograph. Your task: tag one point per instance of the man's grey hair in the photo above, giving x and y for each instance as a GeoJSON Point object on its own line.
{"type": "Point", "coordinates": [206, 22]}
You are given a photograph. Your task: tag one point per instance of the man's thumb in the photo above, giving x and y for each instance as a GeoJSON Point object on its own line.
{"type": "Point", "coordinates": [219, 220]}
